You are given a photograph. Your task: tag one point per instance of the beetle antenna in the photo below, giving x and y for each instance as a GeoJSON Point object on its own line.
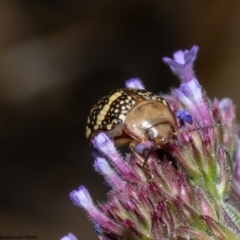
{"type": "Point", "coordinates": [206, 127]}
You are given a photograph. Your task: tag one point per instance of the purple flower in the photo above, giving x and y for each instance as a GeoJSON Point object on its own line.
{"type": "Point", "coordinates": [104, 144]}
{"type": "Point", "coordinates": [81, 198]}
{"type": "Point", "coordinates": [188, 189]}
{"type": "Point", "coordinates": [134, 83]}
{"type": "Point", "coordinates": [182, 63]}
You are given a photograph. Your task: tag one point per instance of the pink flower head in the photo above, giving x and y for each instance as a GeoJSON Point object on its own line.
{"type": "Point", "coordinates": [188, 189]}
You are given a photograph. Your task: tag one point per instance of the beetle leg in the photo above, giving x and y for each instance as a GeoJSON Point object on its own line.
{"type": "Point", "coordinates": [132, 146]}
{"type": "Point", "coordinates": [150, 151]}
{"type": "Point", "coordinates": [121, 141]}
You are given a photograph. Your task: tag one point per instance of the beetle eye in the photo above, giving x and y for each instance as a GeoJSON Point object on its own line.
{"type": "Point", "coordinates": [151, 134]}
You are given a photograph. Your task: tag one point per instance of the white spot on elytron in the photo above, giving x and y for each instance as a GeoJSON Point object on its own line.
{"type": "Point", "coordinates": [121, 117]}
{"type": "Point", "coordinates": [124, 111]}
{"type": "Point", "coordinates": [109, 126]}
{"type": "Point", "coordinates": [88, 120]}
{"type": "Point", "coordinates": [100, 106]}
{"type": "Point", "coordinates": [92, 122]}
{"type": "Point", "coordinates": [127, 101]}
{"type": "Point", "coordinates": [129, 97]}
{"type": "Point", "coordinates": [122, 102]}
{"type": "Point", "coordinates": [88, 132]}
{"type": "Point", "coordinates": [123, 107]}
{"type": "Point", "coordinates": [116, 110]}
{"type": "Point", "coordinates": [95, 127]}
{"type": "Point", "coordinates": [99, 122]}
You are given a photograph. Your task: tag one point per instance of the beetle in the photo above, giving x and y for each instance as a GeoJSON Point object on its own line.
{"type": "Point", "coordinates": [131, 116]}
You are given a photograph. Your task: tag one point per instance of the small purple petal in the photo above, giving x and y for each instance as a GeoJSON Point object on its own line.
{"type": "Point", "coordinates": [103, 143]}
{"type": "Point", "coordinates": [81, 198]}
{"type": "Point", "coordinates": [190, 56]}
{"type": "Point", "coordinates": [102, 166]}
{"type": "Point", "coordinates": [70, 236]}
{"type": "Point", "coordinates": [134, 83]}
{"type": "Point", "coordinates": [184, 116]}
{"type": "Point", "coordinates": [179, 57]}
{"type": "Point", "coordinates": [182, 63]}
{"type": "Point", "coordinates": [192, 90]}
{"type": "Point", "coordinates": [144, 145]}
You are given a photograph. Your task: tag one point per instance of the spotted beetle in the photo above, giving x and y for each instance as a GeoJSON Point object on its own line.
{"type": "Point", "coordinates": [131, 116]}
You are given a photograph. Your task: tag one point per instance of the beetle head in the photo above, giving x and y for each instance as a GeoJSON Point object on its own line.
{"type": "Point", "coordinates": [161, 134]}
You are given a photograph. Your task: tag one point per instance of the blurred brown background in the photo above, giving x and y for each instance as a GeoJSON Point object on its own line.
{"type": "Point", "coordinates": [57, 58]}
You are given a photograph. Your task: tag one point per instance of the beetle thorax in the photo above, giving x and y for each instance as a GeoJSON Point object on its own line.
{"type": "Point", "coordinates": [151, 120]}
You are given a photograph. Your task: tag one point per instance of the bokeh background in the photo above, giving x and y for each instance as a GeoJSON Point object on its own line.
{"type": "Point", "coordinates": [57, 58]}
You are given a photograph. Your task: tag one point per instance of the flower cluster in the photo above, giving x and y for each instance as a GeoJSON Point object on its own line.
{"type": "Point", "coordinates": [188, 191]}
